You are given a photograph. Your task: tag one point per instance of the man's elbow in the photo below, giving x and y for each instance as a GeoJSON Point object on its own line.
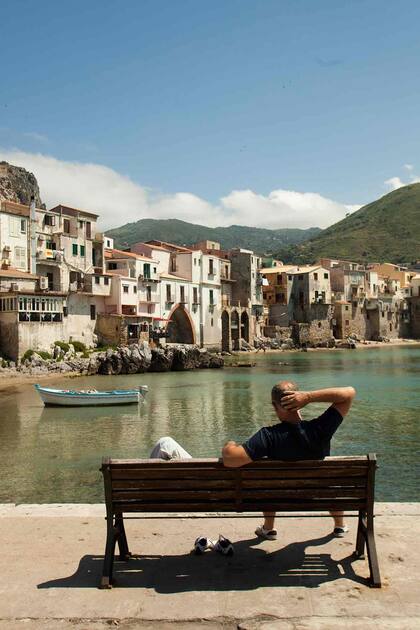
{"type": "Point", "coordinates": [230, 457]}
{"type": "Point", "coordinates": [351, 392]}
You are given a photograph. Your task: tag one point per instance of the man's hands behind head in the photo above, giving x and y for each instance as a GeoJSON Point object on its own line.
{"type": "Point", "coordinates": [292, 401]}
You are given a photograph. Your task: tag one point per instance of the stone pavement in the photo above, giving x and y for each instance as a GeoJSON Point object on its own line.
{"type": "Point", "coordinates": [51, 562]}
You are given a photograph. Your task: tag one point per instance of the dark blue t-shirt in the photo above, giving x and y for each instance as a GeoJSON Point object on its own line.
{"type": "Point", "coordinates": [292, 442]}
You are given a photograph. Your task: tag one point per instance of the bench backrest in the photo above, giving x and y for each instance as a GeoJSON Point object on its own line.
{"type": "Point", "coordinates": [206, 485]}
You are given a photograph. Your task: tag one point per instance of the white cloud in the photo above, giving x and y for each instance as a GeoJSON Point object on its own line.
{"type": "Point", "coordinates": [38, 137]}
{"type": "Point", "coordinates": [396, 182]}
{"type": "Point", "coordinates": [118, 199]}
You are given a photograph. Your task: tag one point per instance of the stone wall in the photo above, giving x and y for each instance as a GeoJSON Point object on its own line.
{"type": "Point", "coordinates": [414, 303]}
{"type": "Point", "coordinates": [350, 320]}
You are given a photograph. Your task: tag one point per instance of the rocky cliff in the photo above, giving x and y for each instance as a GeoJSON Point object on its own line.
{"type": "Point", "coordinates": [17, 184]}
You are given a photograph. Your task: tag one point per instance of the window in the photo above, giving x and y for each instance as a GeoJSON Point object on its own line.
{"type": "Point", "coordinates": [211, 297]}
{"type": "Point", "coordinates": [290, 277]}
{"type": "Point", "coordinates": [14, 226]}
{"type": "Point", "coordinates": [195, 295]}
{"type": "Point", "coordinates": [212, 322]}
{"type": "Point", "coordinates": [112, 266]}
{"type": "Point", "coordinates": [66, 226]}
{"type": "Point", "coordinates": [20, 257]}
{"type": "Point", "coordinates": [23, 226]}
{"type": "Point", "coordinates": [182, 291]}
{"type": "Point", "coordinates": [168, 293]}
{"type": "Point", "coordinates": [347, 322]}
{"type": "Point", "coordinates": [323, 296]}
{"type": "Point", "coordinates": [49, 219]}
{"type": "Point", "coordinates": [149, 294]}
{"type": "Point", "coordinates": [92, 311]}
{"type": "Point", "coordinates": [154, 269]}
{"type": "Point", "coordinates": [195, 262]}
{"type": "Point", "coordinates": [319, 324]}
{"type": "Point", "coordinates": [74, 249]}
{"type": "Point", "coordinates": [173, 264]}
{"type": "Point", "coordinates": [97, 280]}
{"type": "Point", "coordinates": [88, 229]}
{"type": "Point", "coordinates": [106, 280]}
{"type": "Point", "coordinates": [325, 276]}
{"type": "Point", "coordinates": [315, 276]}
{"type": "Point", "coordinates": [134, 289]}
{"type": "Point", "coordinates": [346, 308]}
{"type": "Point", "coordinates": [211, 267]}
{"type": "Point", "coordinates": [125, 288]}
{"type": "Point", "coordinates": [300, 277]}
{"type": "Point", "coordinates": [50, 245]}
{"type": "Point", "coordinates": [82, 250]}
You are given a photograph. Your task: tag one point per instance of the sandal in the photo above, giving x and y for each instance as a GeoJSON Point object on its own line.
{"type": "Point", "coordinates": [267, 534]}
{"type": "Point", "coordinates": [202, 544]}
{"type": "Point", "coordinates": [224, 546]}
{"type": "Point", "coordinates": [340, 532]}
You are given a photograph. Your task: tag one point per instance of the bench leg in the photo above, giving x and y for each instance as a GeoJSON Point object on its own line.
{"type": "Point", "coordinates": [373, 558]}
{"type": "Point", "coordinates": [361, 535]}
{"type": "Point", "coordinates": [122, 538]}
{"type": "Point", "coordinates": [111, 539]}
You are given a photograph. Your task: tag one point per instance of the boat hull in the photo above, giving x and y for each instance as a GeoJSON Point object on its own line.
{"type": "Point", "coordinates": [58, 398]}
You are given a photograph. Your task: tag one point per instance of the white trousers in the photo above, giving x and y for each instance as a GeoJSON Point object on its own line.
{"type": "Point", "coordinates": [168, 448]}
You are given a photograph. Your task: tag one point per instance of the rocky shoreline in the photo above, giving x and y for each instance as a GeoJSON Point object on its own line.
{"type": "Point", "coordinates": [133, 359]}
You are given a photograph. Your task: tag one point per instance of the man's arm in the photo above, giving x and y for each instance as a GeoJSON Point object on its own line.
{"type": "Point", "coordinates": [340, 397]}
{"type": "Point", "coordinates": [234, 455]}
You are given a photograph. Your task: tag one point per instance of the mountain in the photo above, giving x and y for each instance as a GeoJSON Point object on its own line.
{"type": "Point", "coordinates": [17, 184]}
{"type": "Point", "coordinates": [385, 230]}
{"type": "Point", "coordinates": [260, 240]}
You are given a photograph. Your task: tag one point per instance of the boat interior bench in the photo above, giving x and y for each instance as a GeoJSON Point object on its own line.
{"type": "Point", "coordinates": [206, 485]}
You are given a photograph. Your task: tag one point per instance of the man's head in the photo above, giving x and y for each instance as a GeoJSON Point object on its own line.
{"type": "Point", "coordinates": [277, 393]}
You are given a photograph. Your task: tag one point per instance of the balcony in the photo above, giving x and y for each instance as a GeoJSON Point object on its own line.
{"type": "Point", "coordinates": [50, 255]}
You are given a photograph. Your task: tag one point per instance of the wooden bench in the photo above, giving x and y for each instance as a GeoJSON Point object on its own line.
{"type": "Point", "coordinates": [206, 485]}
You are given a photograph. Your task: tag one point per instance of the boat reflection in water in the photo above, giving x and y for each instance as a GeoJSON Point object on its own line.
{"type": "Point", "coordinates": [91, 397]}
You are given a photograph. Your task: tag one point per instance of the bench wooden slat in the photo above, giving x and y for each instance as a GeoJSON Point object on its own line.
{"type": "Point", "coordinates": [246, 473]}
{"type": "Point", "coordinates": [205, 506]}
{"type": "Point", "coordinates": [210, 462]}
{"type": "Point", "coordinates": [166, 496]}
{"type": "Point", "coordinates": [206, 484]}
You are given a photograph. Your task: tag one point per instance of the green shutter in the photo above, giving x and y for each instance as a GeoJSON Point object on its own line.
{"type": "Point", "coordinates": [74, 249]}
{"type": "Point", "coordinates": [82, 250]}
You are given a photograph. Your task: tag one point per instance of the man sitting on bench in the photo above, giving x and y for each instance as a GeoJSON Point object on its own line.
{"type": "Point", "coordinates": [292, 439]}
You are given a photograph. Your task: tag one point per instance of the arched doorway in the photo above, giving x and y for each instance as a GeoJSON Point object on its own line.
{"type": "Point", "coordinates": [179, 327]}
{"type": "Point", "coordinates": [245, 326]}
{"type": "Point", "coordinates": [235, 331]}
{"type": "Point", "coordinates": [225, 332]}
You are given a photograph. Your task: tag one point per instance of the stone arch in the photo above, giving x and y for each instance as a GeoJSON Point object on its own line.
{"type": "Point", "coordinates": [235, 329]}
{"type": "Point", "coordinates": [245, 326]}
{"type": "Point", "coordinates": [225, 331]}
{"type": "Point", "coordinates": [180, 327]}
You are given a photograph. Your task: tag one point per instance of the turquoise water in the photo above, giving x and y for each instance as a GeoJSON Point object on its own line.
{"type": "Point", "coordinates": [54, 455]}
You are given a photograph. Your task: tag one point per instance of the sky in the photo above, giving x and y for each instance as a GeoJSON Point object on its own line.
{"type": "Point", "coordinates": [269, 113]}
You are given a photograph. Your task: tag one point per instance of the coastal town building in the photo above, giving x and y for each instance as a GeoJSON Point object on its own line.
{"type": "Point", "coordinates": [60, 279]}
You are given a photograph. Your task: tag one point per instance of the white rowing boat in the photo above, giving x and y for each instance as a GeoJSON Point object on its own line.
{"type": "Point", "coordinates": [90, 397]}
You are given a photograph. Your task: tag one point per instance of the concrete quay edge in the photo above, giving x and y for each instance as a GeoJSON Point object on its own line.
{"type": "Point", "coordinates": [52, 560]}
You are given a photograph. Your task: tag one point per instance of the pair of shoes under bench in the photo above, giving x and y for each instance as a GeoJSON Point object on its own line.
{"type": "Point", "coordinates": [267, 534]}
{"type": "Point", "coordinates": [223, 545]}
{"type": "Point", "coordinates": [340, 532]}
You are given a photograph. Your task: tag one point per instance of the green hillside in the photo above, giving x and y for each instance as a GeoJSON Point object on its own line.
{"type": "Point", "coordinates": [260, 240]}
{"type": "Point", "coordinates": [385, 230]}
